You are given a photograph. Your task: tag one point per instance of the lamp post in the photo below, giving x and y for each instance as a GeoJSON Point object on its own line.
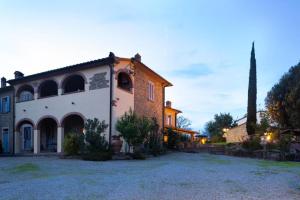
{"type": "Point", "coordinates": [264, 140]}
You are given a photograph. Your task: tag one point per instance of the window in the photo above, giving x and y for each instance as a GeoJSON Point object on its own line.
{"type": "Point", "coordinates": [25, 96]}
{"type": "Point", "coordinates": [74, 83]}
{"type": "Point", "coordinates": [25, 93]}
{"type": "Point", "coordinates": [124, 81]}
{"type": "Point", "coordinates": [150, 91]}
{"type": "Point", "coordinates": [5, 104]}
{"type": "Point", "coordinates": [169, 120]}
{"type": "Point", "coordinates": [48, 88]}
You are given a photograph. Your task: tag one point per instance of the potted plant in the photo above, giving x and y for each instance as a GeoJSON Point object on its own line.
{"type": "Point", "coordinates": [116, 144]}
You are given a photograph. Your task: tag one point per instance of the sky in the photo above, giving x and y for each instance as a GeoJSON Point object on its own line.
{"type": "Point", "coordinates": [202, 47]}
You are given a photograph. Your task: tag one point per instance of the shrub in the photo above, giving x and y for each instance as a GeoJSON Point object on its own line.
{"type": "Point", "coordinates": [154, 140]}
{"type": "Point", "coordinates": [173, 139]}
{"type": "Point", "coordinates": [285, 143]}
{"type": "Point", "coordinates": [217, 139]}
{"type": "Point", "coordinates": [138, 155]}
{"type": "Point", "coordinates": [73, 144]}
{"type": "Point", "coordinates": [94, 139]}
{"type": "Point", "coordinates": [98, 156]}
{"type": "Point", "coordinates": [133, 129]}
{"type": "Point", "coordinates": [252, 144]}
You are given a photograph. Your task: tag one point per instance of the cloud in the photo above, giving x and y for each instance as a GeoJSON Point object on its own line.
{"type": "Point", "coordinates": [193, 70]}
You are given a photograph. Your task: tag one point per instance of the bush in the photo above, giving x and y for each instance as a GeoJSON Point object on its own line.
{"type": "Point", "coordinates": [98, 156]}
{"type": "Point", "coordinates": [154, 140]}
{"type": "Point", "coordinates": [217, 139]}
{"type": "Point", "coordinates": [252, 144]}
{"type": "Point", "coordinates": [134, 129]}
{"type": "Point", "coordinates": [173, 139]}
{"type": "Point", "coordinates": [94, 140]}
{"type": "Point", "coordinates": [73, 144]}
{"type": "Point", "coordinates": [138, 156]}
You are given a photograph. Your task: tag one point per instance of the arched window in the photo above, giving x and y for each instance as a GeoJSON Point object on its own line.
{"type": "Point", "coordinates": [74, 83]}
{"type": "Point", "coordinates": [25, 93]}
{"type": "Point", "coordinates": [48, 88]}
{"type": "Point", "coordinates": [124, 81]}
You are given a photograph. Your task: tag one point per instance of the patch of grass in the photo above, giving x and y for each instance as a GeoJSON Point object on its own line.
{"type": "Point", "coordinates": [24, 168]}
{"type": "Point", "coordinates": [267, 163]}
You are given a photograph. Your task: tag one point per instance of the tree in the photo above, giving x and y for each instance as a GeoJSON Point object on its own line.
{"type": "Point", "coordinates": [94, 138]}
{"type": "Point", "coordinates": [215, 127]}
{"type": "Point", "coordinates": [252, 92]}
{"type": "Point", "coordinates": [134, 129]}
{"type": "Point", "coordinates": [283, 100]}
{"type": "Point", "coordinates": [183, 122]}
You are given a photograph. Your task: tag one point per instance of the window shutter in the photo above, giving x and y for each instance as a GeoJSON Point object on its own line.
{"type": "Point", "coordinates": [8, 104]}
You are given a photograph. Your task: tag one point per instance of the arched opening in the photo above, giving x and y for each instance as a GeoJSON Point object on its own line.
{"type": "Point", "coordinates": [74, 83]}
{"type": "Point", "coordinates": [24, 135]}
{"type": "Point", "coordinates": [73, 124]}
{"type": "Point", "coordinates": [48, 88]}
{"type": "Point", "coordinates": [124, 81]}
{"type": "Point", "coordinates": [25, 93]}
{"type": "Point", "coordinates": [48, 135]}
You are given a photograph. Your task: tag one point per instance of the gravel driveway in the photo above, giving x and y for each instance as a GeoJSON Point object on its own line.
{"type": "Point", "coordinates": [173, 176]}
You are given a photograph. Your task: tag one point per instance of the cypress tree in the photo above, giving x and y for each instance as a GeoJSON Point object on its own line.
{"type": "Point", "coordinates": [252, 92]}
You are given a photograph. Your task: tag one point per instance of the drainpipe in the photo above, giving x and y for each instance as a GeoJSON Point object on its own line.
{"type": "Point", "coordinates": [13, 103]}
{"type": "Point", "coordinates": [111, 66]}
{"type": "Point", "coordinates": [163, 109]}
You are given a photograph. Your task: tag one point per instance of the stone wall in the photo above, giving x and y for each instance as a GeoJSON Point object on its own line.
{"type": "Point", "coordinates": [237, 134]}
{"type": "Point", "coordinates": [142, 105]}
{"type": "Point", "coordinates": [7, 119]}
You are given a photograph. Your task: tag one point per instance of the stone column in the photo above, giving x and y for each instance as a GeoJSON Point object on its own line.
{"type": "Point", "coordinates": [60, 139]}
{"type": "Point", "coordinates": [17, 142]}
{"type": "Point", "coordinates": [36, 141]}
{"type": "Point", "coordinates": [59, 91]}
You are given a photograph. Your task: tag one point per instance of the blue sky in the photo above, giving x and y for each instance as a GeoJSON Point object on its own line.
{"type": "Point", "coordinates": [202, 47]}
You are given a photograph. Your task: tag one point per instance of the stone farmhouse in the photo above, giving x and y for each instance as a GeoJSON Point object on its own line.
{"type": "Point", "coordinates": [38, 110]}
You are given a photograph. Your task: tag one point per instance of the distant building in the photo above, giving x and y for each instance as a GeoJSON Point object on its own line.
{"type": "Point", "coordinates": [6, 117]}
{"type": "Point", "coordinates": [171, 121]}
{"type": "Point", "coordinates": [239, 133]}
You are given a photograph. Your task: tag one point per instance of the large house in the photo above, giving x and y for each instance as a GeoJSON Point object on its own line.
{"type": "Point", "coordinates": [49, 105]}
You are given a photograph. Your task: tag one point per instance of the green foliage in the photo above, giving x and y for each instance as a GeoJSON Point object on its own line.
{"type": "Point", "coordinates": [217, 139]}
{"type": "Point", "coordinates": [73, 144]}
{"type": "Point", "coordinates": [154, 139]}
{"type": "Point", "coordinates": [98, 156]}
{"type": "Point", "coordinates": [283, 100]}
{"type": "Point", "coordinates": [285, 143]}
{"type": "Point", "coordinates": [252, 144]}
{"type": "Point", "coordinates": [173, 139]}
{"type": "Point", "coordinates": [215, 127]}
{"type": "Point", "coordinates": [264, 124]}
{"type": "Point", "coordinates": [252, 93]}
{"type": "Point", "coordinates": [183, 122]}
{"type": "Point", "coordinates": [134, 129]}
{"type": "Point", "coordinates": [24, 168]}
{"type": "Point", "coordinates": [138, 155]}
{"type": "Point", "coordinates": [94, 138]}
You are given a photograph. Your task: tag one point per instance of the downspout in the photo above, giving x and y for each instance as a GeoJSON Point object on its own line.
{"type": "Point", "coordinates": [163, 109]}
{"type": "Point", "coordinates": [14, 119]}
{"type": "Point", "coordinates": [111, 66]}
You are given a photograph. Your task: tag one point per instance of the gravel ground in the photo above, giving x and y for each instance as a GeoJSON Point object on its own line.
{"type": "Point", "coordinates": [173, 176]}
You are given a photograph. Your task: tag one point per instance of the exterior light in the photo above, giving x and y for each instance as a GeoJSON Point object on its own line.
{"type": "Point", "coordinates": [203, 141]}
{"type": "Point", "coordinates": [165, 138]}
{"type": "Point", "coordinates": [225, 130]}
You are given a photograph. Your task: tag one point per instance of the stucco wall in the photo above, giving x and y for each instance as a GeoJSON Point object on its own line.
{"type": "Point", "coordinates": [90, 103]}
{"type": "Point", "coordinates": [122, 100]}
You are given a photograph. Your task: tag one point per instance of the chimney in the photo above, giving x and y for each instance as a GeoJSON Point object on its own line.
{"type": "Point", "coordinates": [168, 104]}
{"type": "Point", "coordinates": [18, 75]}
{"type": "Point", "coordinates": [3, 82]}
{"type": "Point", "coordinates": [138, 57]}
